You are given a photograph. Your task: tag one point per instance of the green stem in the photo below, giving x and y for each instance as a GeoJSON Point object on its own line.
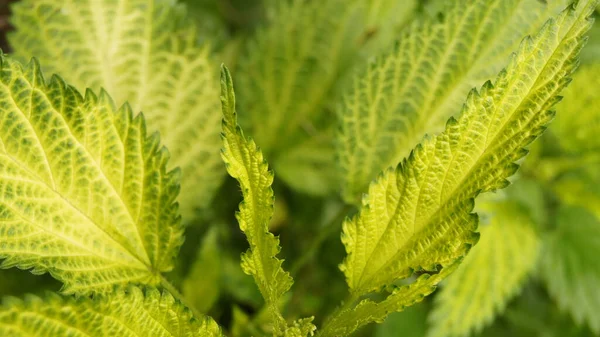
{"type": "Point", "coordinates": [179, 296]}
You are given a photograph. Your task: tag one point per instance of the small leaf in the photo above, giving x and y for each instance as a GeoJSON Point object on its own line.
{"type": "Point", "coordinates": [246, 163]}
{"type": "Point", "coordinates": [418, 216]}
{"type": "Point", "coordinates": [125, 313]}
{"type": "Point", "coordinates": [492, 273]}
{"type": "Point", "coordinates": [347, 320]}
{"type": "Point", "coordinates": [86, 194]}
{"type": "Point", "coordinates": [570, 265]}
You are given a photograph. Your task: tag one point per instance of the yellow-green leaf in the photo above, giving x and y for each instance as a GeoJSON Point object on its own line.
{"type": "Point", "coordinates": [86, 194]}
{"type": "Point", "coordinates": [418, 216]}
{"type": "Point", "coordinates": [490, 275]}
{"type": "Point", "coordinates": [415, 88]}
{"type": "Point", "coordinates": [125, 313]}
{"type": "Point", "coordinates": [245, 162]}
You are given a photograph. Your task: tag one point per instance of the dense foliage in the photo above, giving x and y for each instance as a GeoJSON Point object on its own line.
{"type": "Point", "coordinates": [408, 128]}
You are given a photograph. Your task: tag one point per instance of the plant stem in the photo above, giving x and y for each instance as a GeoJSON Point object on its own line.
{"type": "Point", "coordinates": [168, 286]}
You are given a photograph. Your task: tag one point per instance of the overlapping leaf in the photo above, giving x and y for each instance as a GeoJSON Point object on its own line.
{"type": "Point", "coordinates": [570, 267]}
{"type": "Point", "coordinates": [245, 162]}
{"type": "Point", "coordinates": [125, 313]}
{"type": "Point", "coordinates": [419, 215]}
{"type": "Point", "coordinates": [491, 274]}
{"type": "Point", "coordinates": [417, 87]}
{"type": "Point", "coordinates": [85, 194]}
{"type": "Point", "coordinates": [293, 65]}
{"type": "Point", "coordinates": [143, 52]}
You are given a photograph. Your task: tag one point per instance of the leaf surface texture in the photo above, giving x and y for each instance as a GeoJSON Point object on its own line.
{"type": "Point", "coordinates": [492, 273]}
{"type": "Point", "coordinates": [414, 89]}
{"type": "Point", "coordinates": [418, 215]}
{"type": "Point", "coordinates": [245, 162]}
{"type": "Point", "coordinates": [125, 313]}
{"type": "Point", "coordinates": [85, 193]}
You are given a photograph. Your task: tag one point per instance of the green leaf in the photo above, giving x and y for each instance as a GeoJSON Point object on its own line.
{"type": "Point", "coordinates": [492, 273]}
{"type": "Point", "coordinates": [570, 265]}
{"type": "Point", "coordinates": [415, 88]}
{"type": "Point", "coordinates": [144, 52]}
{"type": "Point", "coordinates": [578, 122]}
{"type": "Point", "coordinates": [125, 313]}
{"type": "Point", "coordinates": [245, 162]}
{"type": "Point", "coordinates": [293, 64]}
{"type": "Point", "coordinates": [349, 319]}
{"type": "Point", "coordinates": [202, 285]}
{"type": "Point", "coordinates": [418, 215]}
{"type": "Point", "coordinates": [86, 194]}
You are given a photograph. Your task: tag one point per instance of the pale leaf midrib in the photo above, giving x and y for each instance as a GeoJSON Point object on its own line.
{"type": "Point", "coordinates": [429, 120]}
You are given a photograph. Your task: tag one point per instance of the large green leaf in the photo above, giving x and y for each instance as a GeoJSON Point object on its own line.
{"type": "Point", "coordinates": [245, 162]}
{"type": "Point", "coordinates": [86, 195]}
{"type": "Point", "coordinates": [492, 273]}
{"type": "Point", "coordinates": [414, 89]}
{"type": "Point", "coordinates": [125, 313]}
{"type": "Point", "coordinates": [418, 216]}
{"type": "Point", "coordinates": [144, 52]}
{"type": "Point", "coordinates": [570, 265]}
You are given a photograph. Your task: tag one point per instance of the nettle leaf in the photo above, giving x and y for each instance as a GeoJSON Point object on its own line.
{"type": "Point", "coordinates": [367, 311]}
{"type": "Point", "coordinates": [578, 122]}
{"type": "Point", "coordinates": [492, 273]}
{"type": "Point", "coordinates": [570, 266]}
{"type": "Point", "coordinates": [245, 162]}
{"type": "Point", "coordinates": [144, 52]}
{"type": "Point", "coordinates": [85, 194]}
{"type": "Point", "coordinates": [418, 216]}
{"type": "Point", "coordinates": [414, 89]}
{"type": "Point", "coordinates": [293, 65]}
{"type": "Point", "coordinates": [127, 312]}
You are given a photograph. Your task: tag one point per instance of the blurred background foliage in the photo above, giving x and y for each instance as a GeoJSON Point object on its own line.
{"type": "Point", "coordinates": [558, 190]}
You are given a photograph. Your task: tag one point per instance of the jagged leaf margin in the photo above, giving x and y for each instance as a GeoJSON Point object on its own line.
{"type": "Point", "coordinates": [128, 312]}
{"type": "Point", "coordinates": [416, 87]}
{"type": "Point", "coordinates": [492, 273]}
{"type": "Point", "coordinates": [418, 215]}
{"type": "Point", "coordinates": [86, 194]}
{"type": "Point", "coordinates": [245, 162]}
